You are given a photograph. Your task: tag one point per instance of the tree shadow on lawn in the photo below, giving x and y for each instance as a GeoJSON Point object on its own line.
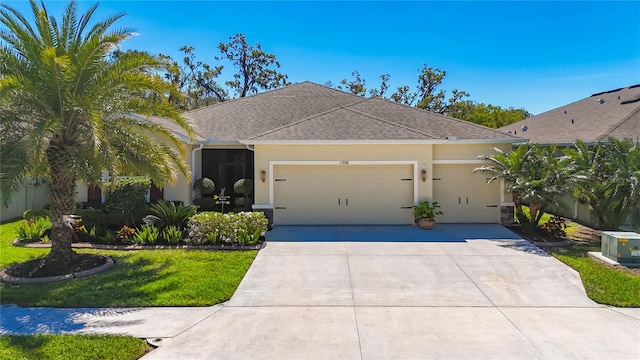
{"type": "Point", "coordinates": [126, 284]}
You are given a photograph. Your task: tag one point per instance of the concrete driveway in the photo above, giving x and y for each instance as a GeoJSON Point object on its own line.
{"type": "Point", "coordinates": [482, 298]}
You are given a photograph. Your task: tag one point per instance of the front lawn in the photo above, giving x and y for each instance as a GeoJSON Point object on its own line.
{"type": "Point", "coordinates": [72, 347]}
{"type": "Point", "coordinates": [616, 286]}
{"type": "Point", "coordinates": [139, 278]}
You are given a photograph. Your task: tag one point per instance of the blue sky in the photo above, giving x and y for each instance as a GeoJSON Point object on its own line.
{"type": "Point", "coordinates": [537, 55]}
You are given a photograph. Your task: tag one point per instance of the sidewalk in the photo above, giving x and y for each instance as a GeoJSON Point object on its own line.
{"type": "Point", "coordinates": [147, 322]}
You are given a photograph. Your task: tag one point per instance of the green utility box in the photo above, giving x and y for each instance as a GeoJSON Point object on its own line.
{"type": "Point", "coordinates": [621, 246]}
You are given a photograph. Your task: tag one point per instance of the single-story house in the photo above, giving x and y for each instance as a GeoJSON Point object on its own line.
{"type": "Point", "coordinates": [318, 155]}
{"type": "Point", "coordinates": [609, 114]}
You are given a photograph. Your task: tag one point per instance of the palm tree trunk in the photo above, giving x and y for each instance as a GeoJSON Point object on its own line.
{"type": "Point", "coordinates": [62, 185]}
{"type": "Point", "coordinates": [535, 214]}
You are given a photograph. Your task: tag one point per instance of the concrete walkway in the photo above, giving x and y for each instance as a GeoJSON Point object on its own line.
{"type": "Point", "coordinates": [495, 299]}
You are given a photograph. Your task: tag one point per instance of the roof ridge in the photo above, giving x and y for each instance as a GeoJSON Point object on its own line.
{"type": "Point", "coordinates": [302, 120]}
{"type": "Point", "coordinates": [389, 122]}
{"type": "Point", "coordinates": [267, 92]}
{"type": "Point", "coordinates": [447, 117]}
{"type": "Point", "coordinates": [618, 124]}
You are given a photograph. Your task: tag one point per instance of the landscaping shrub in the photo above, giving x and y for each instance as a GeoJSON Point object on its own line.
{"type": "Point", "coordinates": [243, 228]}
{"type": "Point", "coordinates": [125, 234]}
{"type": "Point", "coordinates": [205, 203]}
{"type": "Point", "coordinates": [204, 227]}
{"type": "Point", "coordinates": [146, 235]}
{"type": "Point", "coordinates": [167, 213]}
{"type": "Point", "coordinates": [33, 214]}
{"type": "Point", "coordinates": [203, 187]}
{"type": "Point", "coordinates": [243, 187]}
{"type": "Point", "coordinates": [34, 230]}
{"type": "Point", "coordinates": [171, 234]}
{"type": "Point", "coordinates": [127, 196]}
{"type": "Point", "coordinates": [109, 237]}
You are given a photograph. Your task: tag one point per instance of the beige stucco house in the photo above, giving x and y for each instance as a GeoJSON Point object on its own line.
{"type": "Point", "coordinates": [317, 155]}
{"type": "Point", "coordinates": [322, 156]}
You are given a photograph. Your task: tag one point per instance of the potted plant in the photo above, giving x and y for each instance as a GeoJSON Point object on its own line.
{"type": "Point", "coordinates": [426, 212]}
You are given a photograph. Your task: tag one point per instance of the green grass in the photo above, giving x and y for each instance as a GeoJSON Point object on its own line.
{"type": "Point", "coordinates": [571, 228]}
{"type": "Point", "coordinates": [72, 347]}
{"type": "Point", "coordinates": [604, 284]}
{"type": "Point", "coordinates": [139, 278]}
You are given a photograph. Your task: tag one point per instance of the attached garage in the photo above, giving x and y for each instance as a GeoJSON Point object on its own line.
{"type": "Point", "coordinates": [465, 196]}
{"type": "Point", "coordinates": [326, 157]}
{"type": "Point", "coordinates": [343, 194]}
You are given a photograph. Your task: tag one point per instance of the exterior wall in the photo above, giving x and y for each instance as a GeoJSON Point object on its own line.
{"type": "Point", "coordinates": [181, 190]}
{"type": "Point", "coordinates": [424, 155]}
{"type": "Point", "coordinates": [30, 196]}
{"type": "Point", "coordinates": [455, 151]}
{"type": "Point", "coordinates": [265, 153]}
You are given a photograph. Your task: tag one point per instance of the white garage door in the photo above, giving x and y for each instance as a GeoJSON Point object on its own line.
{"type": "Point", "coordinates": [345, 194]}
{"type": "Point", "coordinates": [465, 196]}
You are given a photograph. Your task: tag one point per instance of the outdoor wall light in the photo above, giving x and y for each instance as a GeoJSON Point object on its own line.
{"type": "Point", "coordinates": [423, 173]}
{"type": "Point", "coordinates": [263, 175]}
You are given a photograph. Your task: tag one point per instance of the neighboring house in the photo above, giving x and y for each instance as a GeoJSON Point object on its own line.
{"type": "Point", "coordinates": [609, 114]}
{"type": "Point", "coordinates": [317, 155]}
{"type": "Point", "coordinates": [614, 113]}
{"type": "Point", "coordinates": [322, 156]}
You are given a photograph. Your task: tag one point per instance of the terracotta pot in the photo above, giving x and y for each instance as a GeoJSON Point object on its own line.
{"type": "Point", "coordinates": [426, 223]}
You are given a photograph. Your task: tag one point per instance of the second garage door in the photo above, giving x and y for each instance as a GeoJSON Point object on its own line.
{"type": "Point", "coordinates": [465, 196]}
{"type": "Point", "coordinates": [349, 194]}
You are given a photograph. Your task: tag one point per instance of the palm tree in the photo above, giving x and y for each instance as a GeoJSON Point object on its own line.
{"type": "Point", "coordinates": [70, 111]}
{"type": "Point", "coordinates": [607, 177]}
{"type": "Point", "coordinates": [533, 175]}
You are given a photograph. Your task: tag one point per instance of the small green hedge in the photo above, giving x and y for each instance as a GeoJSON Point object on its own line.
{"type": "Point", "coordinates": [243, 228]}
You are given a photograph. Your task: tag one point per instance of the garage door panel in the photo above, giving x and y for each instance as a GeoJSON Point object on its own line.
{"type": "Point", "coordinates": [464, 196]}
{"type": "Point", "coordinates": [357, 194]}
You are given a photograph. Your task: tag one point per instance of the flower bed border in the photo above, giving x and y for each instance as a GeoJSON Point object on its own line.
{"type": "Point", "coordinates": [84, 245]}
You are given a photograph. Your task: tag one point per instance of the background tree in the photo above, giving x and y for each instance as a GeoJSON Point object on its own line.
{"type": "Point", "coordinates": [201, 80]}
{"type": "Point", "coordinates": [254, 67]}
{"type": "Point", "coordinates": [429, 96]}
{"type": "Point", "coordinates": [355, 86]}
{"type": "Point", "coordinates": [73, 111]}
{"type": "Point", "coordinates": [485, 114]}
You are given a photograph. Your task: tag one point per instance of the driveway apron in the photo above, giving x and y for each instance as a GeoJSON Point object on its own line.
{"type": "Point", "coordinates": [454, 298]}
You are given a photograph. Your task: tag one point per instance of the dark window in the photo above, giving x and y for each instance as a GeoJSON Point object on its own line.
{"type": "Point", "coordinates": [226, 166]}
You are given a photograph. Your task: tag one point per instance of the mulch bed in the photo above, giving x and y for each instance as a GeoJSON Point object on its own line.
{"type": "Point", "coordinates": [36, 268]}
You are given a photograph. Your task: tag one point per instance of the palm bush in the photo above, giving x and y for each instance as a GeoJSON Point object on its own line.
{"type": "Point", "coordinates": [167, 213]}
{"type": "Point", "coordinates": [533, 174]}
{"type": "Point", "coordinates": [146, 235]}
{"type": "Point", "coordinates": [607, 177]}
{"type": "Point", "coordinates": [34, 230]}
{"type": "Point", "coordinates": [172, 234]}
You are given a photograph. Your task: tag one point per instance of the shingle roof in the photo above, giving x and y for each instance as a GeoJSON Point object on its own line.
{"type": "Point", "coordinates": [308, 111]}
{"type": "Point", "coordinates": [614, 113]}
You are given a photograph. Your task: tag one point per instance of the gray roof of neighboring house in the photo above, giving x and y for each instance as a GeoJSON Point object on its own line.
{"type": "Point", "coordinates": [307, 111]}
{"type": "Point", "coordinates": [614, 113]}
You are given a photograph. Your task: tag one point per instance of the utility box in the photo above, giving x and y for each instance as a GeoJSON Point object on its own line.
{"type": "Point", "coordinates": [621, 246]}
